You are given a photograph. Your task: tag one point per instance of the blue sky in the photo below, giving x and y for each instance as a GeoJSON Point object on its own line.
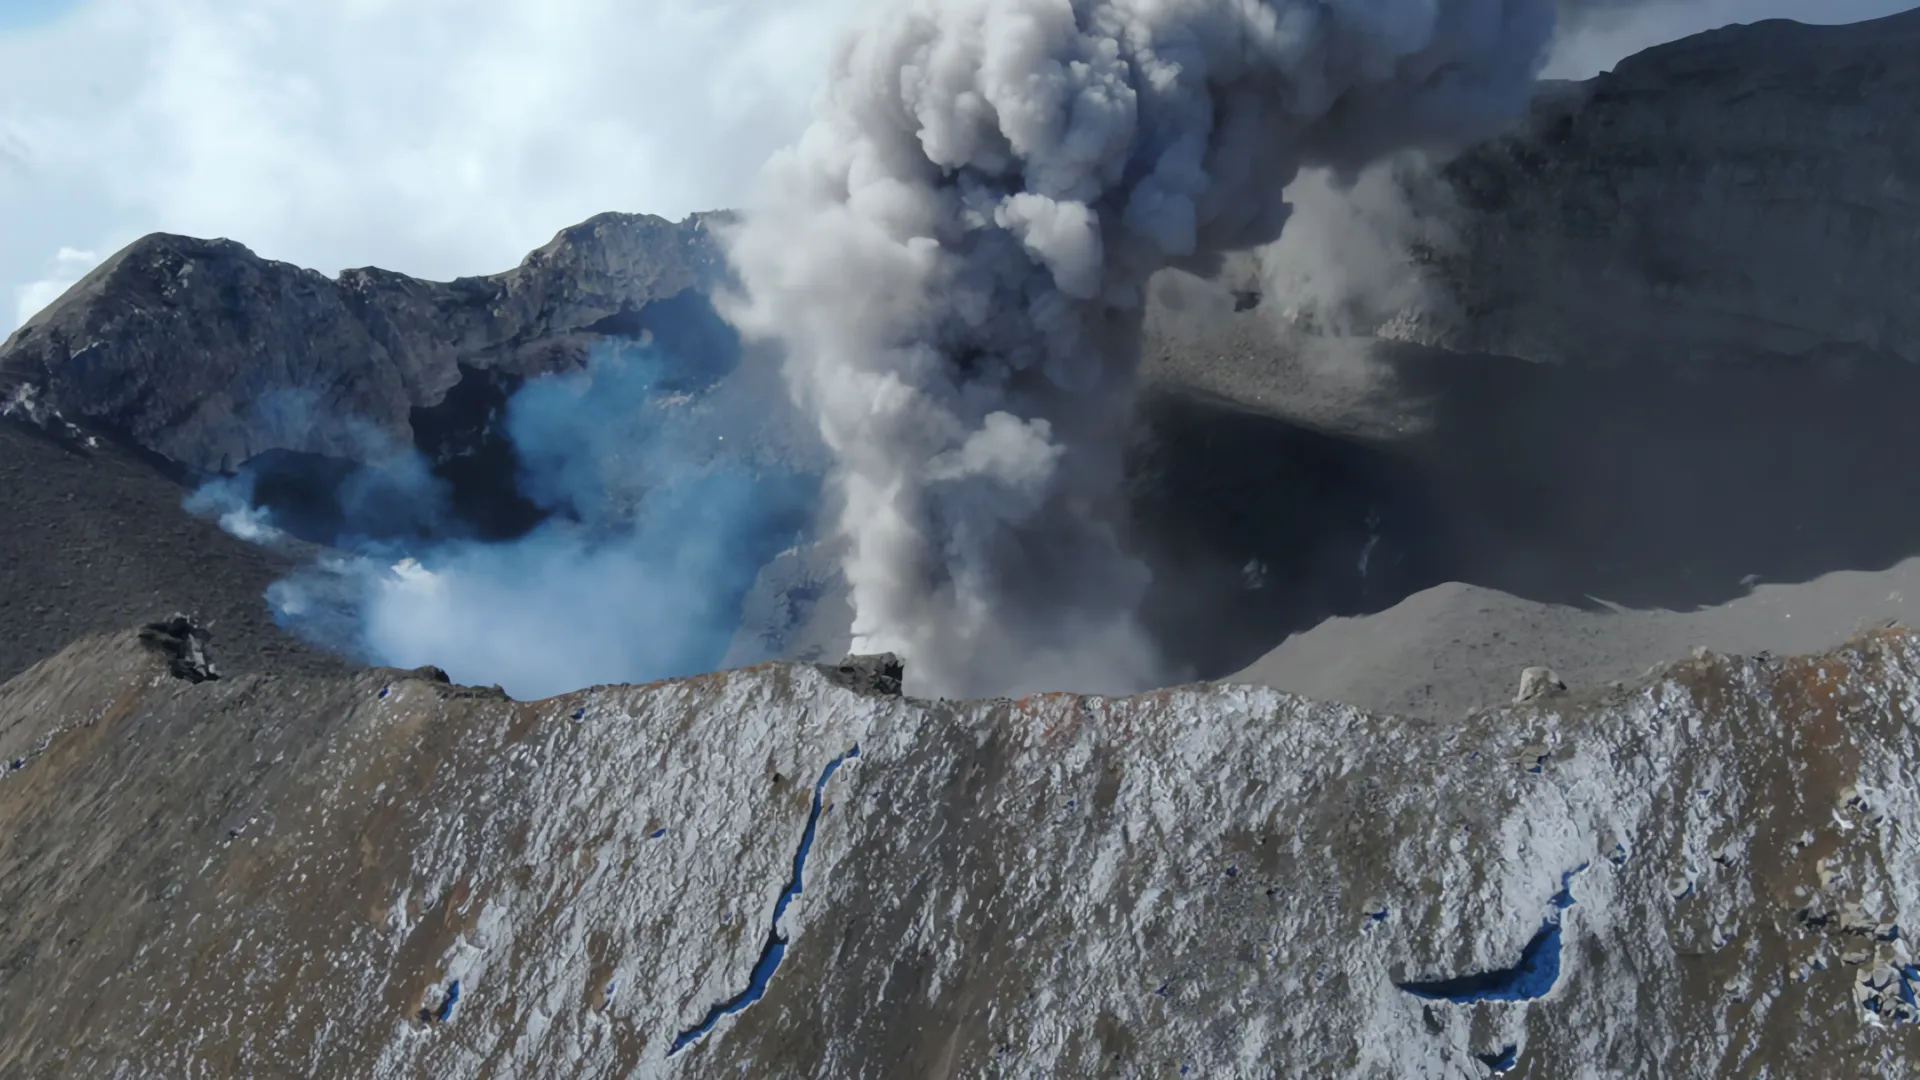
{"type": "Point", "coordinates": [24, 14]}
{"type": "Point", "coordinates": [446, 137]}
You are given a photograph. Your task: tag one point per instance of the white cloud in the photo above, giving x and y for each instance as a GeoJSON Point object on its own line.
{"type": "Point", "coordinates": [68, 267]}
{"type": "Point", "coordinates": [437, 137]}
{"type": "Point", "coordinates": [444, 137]}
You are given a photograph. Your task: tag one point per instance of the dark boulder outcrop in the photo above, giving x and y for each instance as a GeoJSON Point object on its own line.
{"type": "Point", "coordinates": [185, 643]}
{"type": "Point", "coordinates": [880, 673]}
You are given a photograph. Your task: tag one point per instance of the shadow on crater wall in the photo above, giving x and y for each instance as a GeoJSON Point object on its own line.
{"type": "Point", "coordinates": [1257, 528]}
{"type": "Point", "coordinates": [1669, 487]}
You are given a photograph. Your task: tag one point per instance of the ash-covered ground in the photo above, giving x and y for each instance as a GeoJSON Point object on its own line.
{"type": "Point", "coordinates": [93, 539]}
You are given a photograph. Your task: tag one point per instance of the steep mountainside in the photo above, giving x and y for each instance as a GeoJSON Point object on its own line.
{"type": "Point", "coordinates": [768, 873]}
{"type": "Point", "coordinates": [209, 354]}
{"type": "Point", "coordinates": [1750, 191]}
{"type": "Point", "coordinates": [92, 538]}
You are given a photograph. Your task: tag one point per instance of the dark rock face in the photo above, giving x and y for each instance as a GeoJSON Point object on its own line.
{"type": "Point", "coordinates": [206, 353]}
{"type": "Point", "coordinates": [880, 674]}
{"type": "Point", "coordinates": [463, 442]}
{"type": "Point", "coordinates": [1750, 191]}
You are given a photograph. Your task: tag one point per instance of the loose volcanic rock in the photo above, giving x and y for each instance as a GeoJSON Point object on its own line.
{"type": "Point", "coordinates": [881, 673]}
{"type": "Point", "coordinates": [381, 875]}
{"type": "Point", "coordinates": [1538, 682]}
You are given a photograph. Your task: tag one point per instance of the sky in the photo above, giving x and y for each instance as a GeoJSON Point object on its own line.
{"type": "Point", "coordinates": [446, 137]}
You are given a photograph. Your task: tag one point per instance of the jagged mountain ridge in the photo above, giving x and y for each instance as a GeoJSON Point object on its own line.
{"type": "Point", "coordinates": [206, 353]}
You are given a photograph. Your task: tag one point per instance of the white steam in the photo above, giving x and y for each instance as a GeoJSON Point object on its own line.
{"type": "Point", "coordinates": [954, 257]}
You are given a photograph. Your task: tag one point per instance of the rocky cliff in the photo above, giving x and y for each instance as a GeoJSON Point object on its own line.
{"type": "Point", "coordinates": [208, 354]}
{"type": "Point", "coordinates": [1747, 192]}
{"type": "Point", "coordinates": [772, 873]}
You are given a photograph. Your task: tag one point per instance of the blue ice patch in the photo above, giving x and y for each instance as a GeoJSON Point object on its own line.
{"type": "Point", "coordinates": [776, 947]}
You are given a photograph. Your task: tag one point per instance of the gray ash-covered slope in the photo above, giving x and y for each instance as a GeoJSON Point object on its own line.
{"type": "Point", "coordinates": [210, 355]}
{"type": "Point", "coordinates": [92, 538]}
{"type": "Point", "coordinates": [1750, 191]}
{"type": "Point", "coordinates": [1457, 647]}
{"type": "Point", "coordinates": [768, 873]}
{"type": "Point", "coordinates": [1651, 490]}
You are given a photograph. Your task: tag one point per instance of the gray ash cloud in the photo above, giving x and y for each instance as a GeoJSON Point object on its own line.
{"type": "Point", "coordinates": [954, 257]}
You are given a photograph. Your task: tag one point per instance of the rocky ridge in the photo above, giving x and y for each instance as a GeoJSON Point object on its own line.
{"type": "Point", "coordinates": [768, 872]}
{"type": "Point", "coordinates": [206, 353]}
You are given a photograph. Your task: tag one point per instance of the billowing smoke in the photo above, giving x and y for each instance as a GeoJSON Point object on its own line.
{"type": "Point", "coordinates": [1345, 265]}
{"type": "Point", "coordinates": [954, 257]}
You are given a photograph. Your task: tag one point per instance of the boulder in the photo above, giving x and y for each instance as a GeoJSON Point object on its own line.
{"type": "Point", "coordinates": [1536, 683]}
{"type": "Point", "coordinates": [184, 643]}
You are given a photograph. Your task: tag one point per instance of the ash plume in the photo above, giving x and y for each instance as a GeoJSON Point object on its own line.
{"type": "Point", "coordinates": [955, 252]}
